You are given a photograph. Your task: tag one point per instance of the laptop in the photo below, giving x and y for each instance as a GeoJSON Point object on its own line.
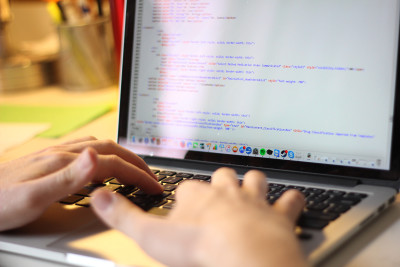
{"type": "Point", "coordinates": [303, 91]}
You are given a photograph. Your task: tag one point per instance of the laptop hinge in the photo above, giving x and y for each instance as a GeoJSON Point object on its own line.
{"type": "Point", "coordinates": [286, 175]}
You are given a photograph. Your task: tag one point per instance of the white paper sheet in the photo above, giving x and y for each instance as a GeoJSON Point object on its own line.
{"type": "Point", "coordinates": [13, 134]}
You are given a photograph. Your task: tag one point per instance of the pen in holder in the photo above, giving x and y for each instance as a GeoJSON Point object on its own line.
{"type": "Point", "coordinates": [87, 59]}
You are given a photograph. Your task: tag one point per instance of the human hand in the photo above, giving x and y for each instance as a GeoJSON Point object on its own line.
{"type": "Point", "coordinates": [220, 224]}
{"type": "Point", "coordinates": [28, 185]}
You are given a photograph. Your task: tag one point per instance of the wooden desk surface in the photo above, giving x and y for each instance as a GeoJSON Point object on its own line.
{"type": "Point", "coordinates": [376, 245]}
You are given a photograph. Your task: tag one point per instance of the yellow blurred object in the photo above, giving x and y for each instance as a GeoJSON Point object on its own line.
{"type": "Point", "coordinates": [17, 70]}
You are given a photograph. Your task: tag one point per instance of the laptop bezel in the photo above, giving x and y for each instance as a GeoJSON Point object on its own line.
{"type": "Point", "coordinates": [391, 175]}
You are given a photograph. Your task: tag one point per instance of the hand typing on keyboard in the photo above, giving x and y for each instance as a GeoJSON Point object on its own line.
{"type": "Point", "coordinates": [213, 224]}
{"type": "Point", "coordinates": [28, 185]}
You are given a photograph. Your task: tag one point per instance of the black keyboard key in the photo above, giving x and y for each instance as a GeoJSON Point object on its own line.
{"type": "Point", "coordinates": [127, 189]}
{"type": "Point", "coordinates": [328, 216]}
{"type": "Point", "coordinates": [276, 186]}
{"type": "Point", "coordinates": [140, 192]}
{"type": "Point", "coordinates": [169, 187]}
{"type": "Point", "coordinates": [160, 203]}
{"type": "Point", "coordinates": [171, 197]}
{"type": "Point", "coordinates": [112, 187]}
{"type": "Point", "coordinates": [201, 177]}
{"type": "Point", "coordinates": [313, 223]}
{"type": "Point", "coordinates": [112, 180]}
{"type": "Point", "coordinates": [154, 171]}
{"type": "Point", "coordinates": [300, 188]}
{"type": "Point", "coordinates": [272, 198]}
{"type": "Point", "coordinates": [335, 193]}
{"type": "Point", "coordinates": [356, 195]}
{"type": "Point", "coordinates": [317, 206]}
{"type": "Point", "coordinates": [86, 191]}
{"type": "Point", "coordinates": [141, 201]}
{"type": "Point", "coordinates": [315, 191]}
{"type": "Point", "coordinates": [169, 205]}
{"type": "Point", "coordinates": [184, 175]}
{"type": "Point", "coordinates": [147, 202]}
{"type": "Point", "coordinates": [85, 202]}
{"type": "Point", "coordinates": [72, 199]}
{"type": "Point", "coordinates": [349, 201]}
{"type": "Point", "coordinates": [317, 198]}
{"type": "Point", "coordinates": [172, 180]}
{"type": "Point", "coordinates": [338, 208]}
{"type": "Point", "coordinates": [161, 177]}
{"type": "Point", "coordinates": [167, 173]}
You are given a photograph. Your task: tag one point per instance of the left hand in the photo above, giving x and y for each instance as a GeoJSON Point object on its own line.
{"type": "Point", "coordinates": [28, 185]}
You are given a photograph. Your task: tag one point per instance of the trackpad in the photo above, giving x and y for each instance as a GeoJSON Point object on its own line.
{"type": "Point", "coordinates": [97, 241]}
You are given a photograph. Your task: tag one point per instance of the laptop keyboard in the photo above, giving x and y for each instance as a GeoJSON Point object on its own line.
{"type": "Point", "coordinates": [322, 206]}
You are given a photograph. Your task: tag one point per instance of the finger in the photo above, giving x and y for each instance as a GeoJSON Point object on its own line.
{"type": "Point", "coordinates": [108, 147]}
{"type": "Point", "coordinates": [225, 178]}
{"type": "Point", "coordinates": [108, 166]}
{"type": "Point", "coordinates": [79, 140]}
{"type": "Point", "coordinates": [254, 182]}
{"type": "Point", "coordinates": [152, 233]}
{"type": "Point", "coordinates": [65, 181]}
{"type": "Point", "coordinates": [70, 142]}
{"type": "Point", "coordinates": [126, 173]}
{"type": "Point", "coordinates": [291, 203]}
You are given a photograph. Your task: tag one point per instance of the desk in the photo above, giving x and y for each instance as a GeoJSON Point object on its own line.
{"type": "Point", "coordinates": [376, 245]}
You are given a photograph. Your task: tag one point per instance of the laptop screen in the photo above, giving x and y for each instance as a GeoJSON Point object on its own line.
{"type": "Point", "coordinates": [294, 81]}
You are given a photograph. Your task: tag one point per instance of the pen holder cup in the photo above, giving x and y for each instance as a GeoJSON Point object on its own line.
{"type": "Point", "coordinates": [87, 58]}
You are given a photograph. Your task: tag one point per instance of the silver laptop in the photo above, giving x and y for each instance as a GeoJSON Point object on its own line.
{"type": "Point", "coordinates": [302, 90]}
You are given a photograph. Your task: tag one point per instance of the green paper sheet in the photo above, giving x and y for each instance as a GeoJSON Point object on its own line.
{"type": "Point", "coordinates": [63, 119]}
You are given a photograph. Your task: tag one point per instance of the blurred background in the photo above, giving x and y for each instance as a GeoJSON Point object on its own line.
{"type": "Point", "coordinates": [73, 43]}
{"type": "Point", "coordinates": [59, 63]}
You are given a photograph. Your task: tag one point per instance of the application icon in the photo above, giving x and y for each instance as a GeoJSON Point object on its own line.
{"type": "Point", "coordinates": [133, 139]}
{"type": "Point", "coordinates": [228, 148]}
{"type": "Point", "coordinates": [284, 153]}
{"type": "Point", "coordinates": [140, 140]}
{"type": "Point", "coordinates": [269, 152]}
{"type": "Point", "coordinates": [276, 153]}
{"type": "Point", "coordinates": [221, 147]}
{"type": "Point", "coordinates": [202, 146]}
{"type": "Point", "coordinates": [235, 149]}
{"type": "Point", "coordinates": [215, 147]}
{"type": "Point", "coordinates": [248, 150]}
{"type": "Point", "coordinates": [195, 145]}
{"type": "Point", "coordinates": [146, 140]}
{"type": "Point", "coordinates": [208, 145]}
{"type": "Point", "coordinates": [262, 151]}
{"type": "Point", "coordinates": [182, 144]}
{"type": "Point", "coordinates": [255, 151]}
{"type": "Point", "coordinates": [158, 141]}
{"type": "Point", "coordinates": [291, 154]}
{"type": "Point", "coordinates": [242, 149]}
{"type": "Point", "coordinates": [189, 145]}
{"type": "Point", "coordinates": [153, 140]}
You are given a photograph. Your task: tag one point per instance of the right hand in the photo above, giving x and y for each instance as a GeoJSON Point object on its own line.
{"type": "Point", "coordinates": [217, 224]}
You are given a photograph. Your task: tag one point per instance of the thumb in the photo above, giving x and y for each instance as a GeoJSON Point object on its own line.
{"type": "Point", "coordinates": [152, 233]}
{"type": "Point", "coordinates": [117, 212]}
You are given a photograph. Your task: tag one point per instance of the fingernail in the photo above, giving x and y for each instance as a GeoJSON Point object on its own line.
{"type": "Point", "coordinates": [102, 200]}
